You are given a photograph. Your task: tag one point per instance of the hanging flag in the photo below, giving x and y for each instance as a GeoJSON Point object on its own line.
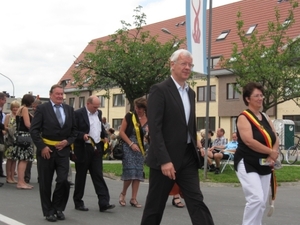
{"type": "Point", "coordinates": [196, 33]}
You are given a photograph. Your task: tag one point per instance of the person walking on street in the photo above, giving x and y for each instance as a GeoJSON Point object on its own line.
{"type": "Point", "coordinates": [256, 153]}
{"type": "Point", "coordinates": [173, 155]}
{"type": "Point", "coordinates": [53, 130]}
{"type": "Point", "coordinates": [88, 149]}
{"type": "Point", "coordinates": [133, 129]}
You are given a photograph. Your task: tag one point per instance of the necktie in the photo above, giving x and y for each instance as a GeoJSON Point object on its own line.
{"type": "Point", "coordinates": [58, 115]}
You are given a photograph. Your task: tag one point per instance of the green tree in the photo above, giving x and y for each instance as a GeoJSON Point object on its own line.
{"type": "Point", "coordinates": [270, 58]}
{"type": "Point", "coordinates": [132, 59]}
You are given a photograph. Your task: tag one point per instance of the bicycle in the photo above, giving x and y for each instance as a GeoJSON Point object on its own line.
{"type": "Point", "coordinates": [291, 155]}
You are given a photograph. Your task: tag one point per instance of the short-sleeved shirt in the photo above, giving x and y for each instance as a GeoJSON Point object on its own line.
{"type": "Point", "coordinates": [219, 141]}
{"type": "Point", "coordinates": [231, 145]}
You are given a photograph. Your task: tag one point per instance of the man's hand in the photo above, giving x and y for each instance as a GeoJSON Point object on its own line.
{"type": "Point", "coordinates": [86, 137]}
{"type": "Point", "coordinates": [168, 170]}
{"type": "Point", "coordinates": [61, 145]}
{"type": "Point", "coordinates": [46, 152]}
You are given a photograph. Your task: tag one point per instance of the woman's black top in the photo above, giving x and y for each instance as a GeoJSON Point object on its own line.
{"type": "Point", "coordinates": [251, 157]}
{"type": "Point", "coordinates": [20, 123]}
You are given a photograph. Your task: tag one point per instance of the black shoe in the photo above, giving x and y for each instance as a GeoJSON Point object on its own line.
{"type": "Point", "coordinates": [2, 175]}
{"type": "Point", "coordinates": [104, 208]}
{"type": "Point", "coordinates": [60, 215]}
{"type": "Point", "coordinates": [217, 171]}
{"type": "Point", "coordinates": [51, 218]}
{"type": "Point", "coordinates": [212, 168]}
{"type": "Point", "coordinates": [1, 184]}
{"type": "Point", "coordinates": [82, 208]}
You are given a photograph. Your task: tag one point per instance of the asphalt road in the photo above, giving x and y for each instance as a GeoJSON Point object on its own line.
{"type": "Point", "coordinates": [226, 202]}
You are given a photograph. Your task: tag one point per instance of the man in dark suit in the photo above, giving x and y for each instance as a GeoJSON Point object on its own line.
{"type": "Point", "coordinates": [53, 131]}
{"type": "Point", "coordinates": [89, 154]}
{"type": "Point", "coordinates": [172, 155]}
{"type": "Point", "coordinates": [2, 117]}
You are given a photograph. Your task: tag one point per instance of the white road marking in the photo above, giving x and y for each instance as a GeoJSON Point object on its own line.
{"type": "Point", "coordinates": [9, 221]}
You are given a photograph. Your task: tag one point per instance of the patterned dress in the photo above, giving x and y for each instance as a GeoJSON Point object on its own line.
{"type": "Point", "coordinates": [10, 137]}
{"type": "Point", "coordinates": [133, 161]}
{"type": "Point", "coordinates": [23, 152]}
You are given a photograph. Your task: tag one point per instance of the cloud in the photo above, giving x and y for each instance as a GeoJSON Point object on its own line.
{"type": "Point", "coordinates": [40, 38]}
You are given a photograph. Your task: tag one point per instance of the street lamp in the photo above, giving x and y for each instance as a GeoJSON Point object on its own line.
{"type": "Point", "coordinates": [165, 30]}
{"type": "Point", "coordinates": [11, 83]}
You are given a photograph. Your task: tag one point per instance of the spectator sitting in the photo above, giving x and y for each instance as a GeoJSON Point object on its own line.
{"type": "Point", "coordinates": [218, 144]}
{"type": "Point", "coordinates": [223, 154]}
{"type": "Point", "coordinates": [210, 165]}
{"type": "Point", "coordinates": [112, 142]}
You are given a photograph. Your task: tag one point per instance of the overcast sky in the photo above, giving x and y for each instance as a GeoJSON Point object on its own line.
{"type": "Point", "coordinates": [39, 38]}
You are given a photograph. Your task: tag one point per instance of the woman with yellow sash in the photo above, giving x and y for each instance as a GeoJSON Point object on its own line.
{"type": "Point", "coordinates": [256, 153]}
{"type": "Point", "coordinates": [133, 128]}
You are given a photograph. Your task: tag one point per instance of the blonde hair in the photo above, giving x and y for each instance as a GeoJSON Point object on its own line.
{"type": "Point", "coordinates": [202, 133]}
{"type": "Point", "coordinates": [14, 104]}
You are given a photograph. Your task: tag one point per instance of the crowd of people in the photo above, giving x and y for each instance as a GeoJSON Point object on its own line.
{"type": "Point", "coordinates": [59, 133]}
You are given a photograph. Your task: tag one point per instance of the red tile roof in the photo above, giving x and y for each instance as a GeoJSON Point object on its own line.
{"type": "Point", "coordinates": [224, 18]}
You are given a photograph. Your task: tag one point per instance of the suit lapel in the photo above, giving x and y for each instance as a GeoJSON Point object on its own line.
{"type": "Point", "coordinates": [175, 93]}
{"type": "Point", "coordinates": [51, 111]}
{"type": "Point", "coordinates": [192, 105]}
{"type": "Point", "coordinates": [66, 113]}
{"type": "Point", "coordinates": [85, 116]}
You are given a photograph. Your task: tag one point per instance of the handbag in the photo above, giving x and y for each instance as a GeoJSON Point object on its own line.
{"type": "Point", "coordinates": [118, 150]}
{"type": "Point", "coordinates": [22, 139]}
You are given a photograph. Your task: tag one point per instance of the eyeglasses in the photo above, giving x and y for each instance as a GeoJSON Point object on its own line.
{"type": "Point", "coordinates": [258, 96]}
{"type": "Point", "coordinates": [184, 64]}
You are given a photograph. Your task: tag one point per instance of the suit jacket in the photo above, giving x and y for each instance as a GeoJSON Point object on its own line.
{"type": "Point", "coordinates": [1, 129]}
{"type": "Point", "coordinates": [45, 125]}
{"type": "Point", "coordinates": [83, 127]}
{"type": "Point", "coordinates": [167, 125]}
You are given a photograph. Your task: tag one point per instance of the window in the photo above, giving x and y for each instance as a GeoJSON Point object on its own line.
{"type": "Point", "coordinates": [201, 123]}
{"type": "Point", "coordinates": [296, 119]}
{"type": "Point", "coordinates": [118, 100]}
{"type": "Point", "coordinates": [8, 106]}
{"type": "Point", "coordinates": [233, 124]}
{"type": "Point", "coordinates": [232, 93]}
{"type": "Point", "coordinates": [286, 22]}
{"type": "Point", "coordinates": [201, 93]}
{"type": "Point", "coordinates": [214, 61]}
{"type": "Point", "coordinates": [81, 102]}
{"type": "Point", "coordinates": [223, 35]}
{"type": "Point", "coordinates": [72, 102]}
{"type": "Point", "coordinates": [251, 29]}
{"type": "Point", "coordinates": [116, 124]}
{"type": "Point", "coordinates": [102, 101]}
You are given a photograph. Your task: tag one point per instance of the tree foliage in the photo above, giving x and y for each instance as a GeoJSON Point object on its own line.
{"type": "Point", "coordinates": [132, 59]}
{"type": "Point", "coordinates": [271, 58]}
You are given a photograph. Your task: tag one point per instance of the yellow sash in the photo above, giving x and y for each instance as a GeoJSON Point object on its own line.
{"type": "Point", "coordinates": [259, 126]}
{"type": "Point", "coordinates": [137, 131]}
{"type": "Point", "coordinates": [53, 143]}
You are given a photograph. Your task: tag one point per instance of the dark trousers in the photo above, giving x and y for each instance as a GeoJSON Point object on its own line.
{"type": "Point", "coordinates": [27, 175]}
{"type": "Point", "coordinates": [1, 161]}
{"type": "Point", "coordinates": [188, 180]}
{"type": "Point", "coordinates": [46, 169]}
{"type": "Point", "coordinates": [92, 163]}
